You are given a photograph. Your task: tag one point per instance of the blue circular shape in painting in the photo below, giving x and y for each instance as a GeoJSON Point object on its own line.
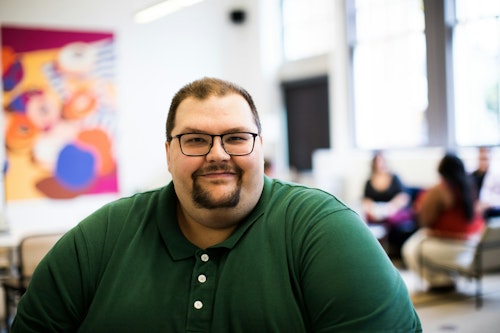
{"type": "Point", "coordinates": [75, 167]}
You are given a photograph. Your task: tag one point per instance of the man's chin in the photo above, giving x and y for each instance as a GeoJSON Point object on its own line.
{"type": "Point", "coordinates": [215, 199]}
{"type": "Point", "coordinates": [211, 204]}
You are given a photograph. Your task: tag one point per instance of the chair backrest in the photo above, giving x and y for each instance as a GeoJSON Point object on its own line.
{"type": "Point", "coordinates": [490, 245]}
{"type": "Point", "coordinates": [32, 249]}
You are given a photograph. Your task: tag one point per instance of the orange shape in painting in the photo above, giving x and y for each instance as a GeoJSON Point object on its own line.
{"type": "Point", "coordinates": [21, 133]}
{"type": "Point", "coordinates": [8, 58]}
{"type": "Point", "coordinates": [99, 142]}
{"type": "Point", "coordinates": [79, 105]}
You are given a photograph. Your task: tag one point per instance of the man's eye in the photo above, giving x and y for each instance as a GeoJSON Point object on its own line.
{"type": "Point", "coordinates": [234, 138]}
{"type": "Point", "coordinates": [196, 140]}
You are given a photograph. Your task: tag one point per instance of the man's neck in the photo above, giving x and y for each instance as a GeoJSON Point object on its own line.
{"type": "Point", "coordinates": [202, 234]}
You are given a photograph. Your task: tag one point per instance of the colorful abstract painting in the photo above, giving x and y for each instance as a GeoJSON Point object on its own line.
{"type": "Point", "coordinates": [59, 110]}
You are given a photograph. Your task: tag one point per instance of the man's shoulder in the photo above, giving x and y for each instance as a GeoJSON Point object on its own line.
{"type": "Point", "coordinates": [282, 187]}
{"type": "Point", "coordinates": [293, 195]}
{"type": "Point", "coordinates": [128, 206]}
{"type": "Point", "coordinates": [141, 197]}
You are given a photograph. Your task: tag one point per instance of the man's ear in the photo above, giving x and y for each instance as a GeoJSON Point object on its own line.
{"type": "Point", "coordinates": [167, 153]}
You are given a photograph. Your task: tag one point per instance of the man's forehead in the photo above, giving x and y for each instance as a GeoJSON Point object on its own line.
{"type": "Point", "coordinates": [222, 106]}
{"type": "Point", "coordinates": [214, 99]}
{"type": "Point", "coordinates": [217, 113]}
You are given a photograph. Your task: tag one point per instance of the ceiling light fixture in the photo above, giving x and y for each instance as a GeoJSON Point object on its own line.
{"type": "Point", "coordinates": [162, 9]}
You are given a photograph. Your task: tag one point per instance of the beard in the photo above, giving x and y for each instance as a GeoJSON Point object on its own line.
{"type": "Point", "coordinates": [204, 199]}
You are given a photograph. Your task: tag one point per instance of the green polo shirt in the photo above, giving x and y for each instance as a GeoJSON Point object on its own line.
{"type": "Point", "coordinates": [301, 262]}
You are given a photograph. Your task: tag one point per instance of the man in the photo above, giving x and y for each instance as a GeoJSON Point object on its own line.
{"type": "Point", "coordinates": [487, 183]}
{"type": "Point", "coordinates": [222, 248]}
{"type": "Point", "coordinates": [483, 163]}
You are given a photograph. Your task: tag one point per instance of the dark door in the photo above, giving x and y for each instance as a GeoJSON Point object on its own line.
{"type": "Point", "coordinates": [306, 103]}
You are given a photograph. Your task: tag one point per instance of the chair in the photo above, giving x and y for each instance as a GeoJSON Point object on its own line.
{"type": "Point", "coordinates": [486, 259]}
{"type": "Point", "coordinates": [29, 252]}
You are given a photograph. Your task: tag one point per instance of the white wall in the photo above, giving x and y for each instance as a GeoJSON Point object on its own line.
{"type": "Point", "coordinates": [154, 61]}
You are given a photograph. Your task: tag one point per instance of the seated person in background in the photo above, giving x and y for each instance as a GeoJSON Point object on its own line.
{"type": "Point", "coordinates": [487, 183]}
{"type": "Point", "coordinates": [268, 167]}
{"type": "Point", "coordinates": [449, 219]}
{"type": "Point", "coordinates": [483, 163]}
{"type": "Point", "coordinates": [386, 202]}
{"type": "Point", "coordinates": [221, 248]}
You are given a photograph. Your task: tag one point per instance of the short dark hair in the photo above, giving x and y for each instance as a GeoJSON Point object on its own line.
{"type": "Point", "coordinates": [202, 89]}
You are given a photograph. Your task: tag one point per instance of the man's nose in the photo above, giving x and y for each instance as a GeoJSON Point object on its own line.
{"type": "Point", "coordinates": [217, 148]}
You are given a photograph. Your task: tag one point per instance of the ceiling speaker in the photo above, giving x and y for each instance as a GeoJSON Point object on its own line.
{"type": "Point", "coordinates": [237, 16]}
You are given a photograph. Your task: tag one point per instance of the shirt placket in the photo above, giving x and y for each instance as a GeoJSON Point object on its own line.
{"type": "Point", "coordinates": [202, 293]}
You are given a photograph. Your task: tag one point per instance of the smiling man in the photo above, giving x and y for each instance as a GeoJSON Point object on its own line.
{"type": "Point", "coordinates": [222, 248]}
{"type": "Point", "coordinates": [217, 178]}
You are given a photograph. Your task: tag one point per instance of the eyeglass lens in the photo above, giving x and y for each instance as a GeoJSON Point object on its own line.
{"type": "Point", "coordinates": [198, 144]}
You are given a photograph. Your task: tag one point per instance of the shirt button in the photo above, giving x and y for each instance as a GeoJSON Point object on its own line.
{"type": "Point", "coordinates": [204, 257]}
{"type": "Point", "coordinates": [202, 278]}
{"type": "Point", "coordinates": [198, 305]}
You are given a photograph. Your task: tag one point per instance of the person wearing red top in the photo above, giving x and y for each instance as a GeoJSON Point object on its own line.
{"type": "Point", "coordinates": [449, 218]}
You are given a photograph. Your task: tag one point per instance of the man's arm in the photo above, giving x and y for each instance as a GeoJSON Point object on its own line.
{"type": "Point", "coordinates": [63, 284]}
{"type": "Point", "coordinates": [349, 283]}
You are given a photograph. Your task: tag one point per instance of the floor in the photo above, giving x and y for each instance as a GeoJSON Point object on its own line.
{"type": "Point", "coordinates": [456, 311]}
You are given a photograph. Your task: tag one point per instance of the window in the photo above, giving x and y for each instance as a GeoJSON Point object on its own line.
{"type": "Point", "coordinates": [476, 57]}
{"type": "Point", "coordinates": [307, 27]}
{"type": "Point", "coordinates": [422, 72]}
{"type": "Point", "coordinates": [389, 73]}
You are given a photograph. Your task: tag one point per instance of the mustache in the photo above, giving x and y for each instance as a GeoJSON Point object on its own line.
{"type": "Point", "coordinates": [217, 168]}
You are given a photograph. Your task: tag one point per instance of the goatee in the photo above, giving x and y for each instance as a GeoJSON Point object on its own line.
{"type": "Point", "coordinates": [204, 199]}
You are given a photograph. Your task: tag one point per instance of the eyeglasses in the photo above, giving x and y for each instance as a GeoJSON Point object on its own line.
{"type": "Point", "coordinates": [199, 144]}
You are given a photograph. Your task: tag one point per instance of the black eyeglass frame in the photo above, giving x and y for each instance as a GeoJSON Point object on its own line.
{"type": "Point", "coordinates": [179, 136]}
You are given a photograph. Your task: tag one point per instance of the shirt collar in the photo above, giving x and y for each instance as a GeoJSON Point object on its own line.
{"type": "Point", "coordinates": [177, 245]}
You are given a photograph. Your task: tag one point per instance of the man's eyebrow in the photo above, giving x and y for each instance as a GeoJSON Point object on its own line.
{"type": "Point", "coordinates": [230, 130]}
